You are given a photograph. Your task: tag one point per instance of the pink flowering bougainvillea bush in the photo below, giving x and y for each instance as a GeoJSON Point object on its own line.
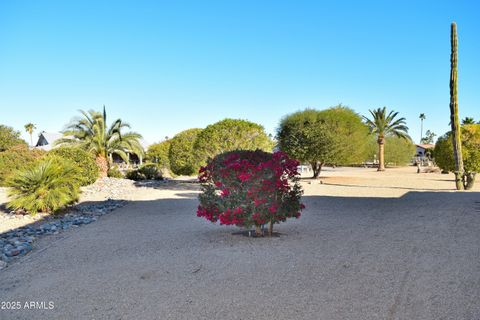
{"type": "Point", "coordinates": [250, 188]}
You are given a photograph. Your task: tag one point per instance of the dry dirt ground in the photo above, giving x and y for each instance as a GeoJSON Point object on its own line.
{"type": "Point", "coordinates": [392, 245]}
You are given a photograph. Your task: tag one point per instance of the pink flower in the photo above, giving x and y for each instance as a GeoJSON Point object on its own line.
{"type": "Point", "coordinates": [244, 176]}
{"type": "Point", "coordinates": [259, 202]}
{"type": "Point", "coordinates": [273, 208]}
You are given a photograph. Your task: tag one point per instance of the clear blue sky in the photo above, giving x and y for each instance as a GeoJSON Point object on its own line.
{"type": "Point", "coordinates": [168, 66]}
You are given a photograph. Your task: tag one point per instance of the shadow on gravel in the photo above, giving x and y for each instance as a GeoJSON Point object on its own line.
{"type": "Point", "coordinates": [415, 207]}
{"type": "Point", "coordinates": [412, 257]}
{"type": "Point", "coordinates": [412, 207]}
{"type": "Point", "coordinates": [383, 187]}
{"type": "Point", "coordinates": [19, 241]}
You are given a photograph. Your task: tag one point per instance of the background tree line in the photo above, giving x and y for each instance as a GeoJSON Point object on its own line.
{"type": "Point", "coordinates": [334, 136]}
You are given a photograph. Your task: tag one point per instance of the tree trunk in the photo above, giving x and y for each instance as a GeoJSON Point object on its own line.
{"type": "Point", "coordinates": [381, 154]}
{"type": "Point", "coordinates": [270, 228]}
{"type": "Point", "coordinates": [258, 231]}
{"type": "Point", "coordinates": [102, 164]}
{"type": "Point", "coordinates": [421, 131]}
{"type": "Point", "coordinates": [459, 180]}
{"type": "Point", "coordinates": [454, 119]}
{"type": "Point", "coordinates": [31, 140]}
{"type": "Point", "coordinates": [317, 168]}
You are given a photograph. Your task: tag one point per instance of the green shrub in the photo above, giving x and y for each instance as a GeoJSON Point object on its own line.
{"type": "Point", "coordinates": [113, 172]}
{"type": "Point", "coordinates": [229, 135]}
{"type": "Point", "coordinates": [84, 161]}
{"type": "Point", "coordinates": [147, 172]}
{"type": "Point", "coordinates": [443, 151]}
{"type": "Point", "coordinates": [158, 153]}
{"type": "Point", "coordinates": [9, 137]}
{"type": "Point", "coordinates": [150, 171]}
{"type": "Point", "coordinates": [134, 175]}
{"type": "Point", "coordinates": [17, 158]}
{"type": "Point", "coordinates": [181, 154]}
{"type": "Point", "coordinates": [46, 187]}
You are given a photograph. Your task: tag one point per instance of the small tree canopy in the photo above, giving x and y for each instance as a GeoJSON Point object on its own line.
{"type": "Point", "coordinates": [181, 155]}
{"type": "Point", "coordinates": [158, 153]}
{"type": "Point", "coordinates": [230, 135]}
{"type": "Point", "coordinates": [9, 138]}
{"type": "Point", "coordinates": [429, 137]}
{"type": "Point", "coordinates": [470, 149]}
{"type": "Point", "coordinates": [332, 136]}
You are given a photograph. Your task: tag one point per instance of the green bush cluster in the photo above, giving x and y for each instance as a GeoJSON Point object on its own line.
{"type": "Point", "coordinates": [9, 137]}
{"type": "Point", "coordinates": [398, 151]}
{"type": "Point", "coordinates": [230, 135]}
{"type": "Point", "coordinates": [84, 161]}
{"type": "Point", "coordinates": [443, 151]}
{"type": "Point", "coordinates": [47, 186]}
{"type": "Point", "coordinates": [192, 148]}
{"type": "Point", "coordinates": [333, 136]}
{"type": "Point", "coordinates": [181, 155]}
{"type": "Point", "coordinates": [158, 153]}
{"type": "Point", "coordinates": [17, 158]}
{"type": "Point", "coordinates": [114, 172]}
{"type": "Point", "coordinates": [146, 172]}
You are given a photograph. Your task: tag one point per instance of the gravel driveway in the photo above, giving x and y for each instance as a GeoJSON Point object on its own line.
{"type": "Point", "coordinates": [413, 257]}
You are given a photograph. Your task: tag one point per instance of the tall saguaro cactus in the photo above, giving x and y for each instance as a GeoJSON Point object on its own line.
{"type": "Point", "coordinates": [454, 118]}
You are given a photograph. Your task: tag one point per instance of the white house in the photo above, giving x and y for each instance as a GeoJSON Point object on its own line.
{"type": "Point", "coordinates": [422, 149]}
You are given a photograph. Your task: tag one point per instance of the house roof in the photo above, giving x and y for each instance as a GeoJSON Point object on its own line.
{"type": "Point", "coordinates": [426, 146]}
{"type": "Point", "coordinates": [46, 140]}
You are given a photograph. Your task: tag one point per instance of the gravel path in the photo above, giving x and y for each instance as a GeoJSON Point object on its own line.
{"type": "Point", "coordinates": [411, 256]}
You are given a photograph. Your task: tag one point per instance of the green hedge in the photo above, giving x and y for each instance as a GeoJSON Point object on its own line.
{"type": "Point", "coordinates": [181, 154]}
{"type": "Point", "coordinates": [17, 158]}
{"type": "Point", "coordinates": [84, 161]}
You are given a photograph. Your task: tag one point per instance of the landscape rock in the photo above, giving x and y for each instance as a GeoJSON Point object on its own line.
{"type": "Point", "coordinates": [20, 241]}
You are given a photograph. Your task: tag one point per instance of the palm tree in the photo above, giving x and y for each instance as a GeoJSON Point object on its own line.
{"type": "Point", "coordinates": [90, 133]}
{"type": "Point", "coordinates": [422, 117]}
{"type": "Point", "coordinates": [468, 120]}
{"type": "Point", "coordinates": [30, 127]}
{"type": "Point", "coordinates": [384, 125]}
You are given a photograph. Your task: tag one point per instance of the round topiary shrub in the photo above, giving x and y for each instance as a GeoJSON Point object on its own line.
{"type": "Point", "coordinates": [84, 161]}
{"type": "Point", "coordinates": [181, 154]}
{"type": "Point", "coordinates": [250, 188]}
